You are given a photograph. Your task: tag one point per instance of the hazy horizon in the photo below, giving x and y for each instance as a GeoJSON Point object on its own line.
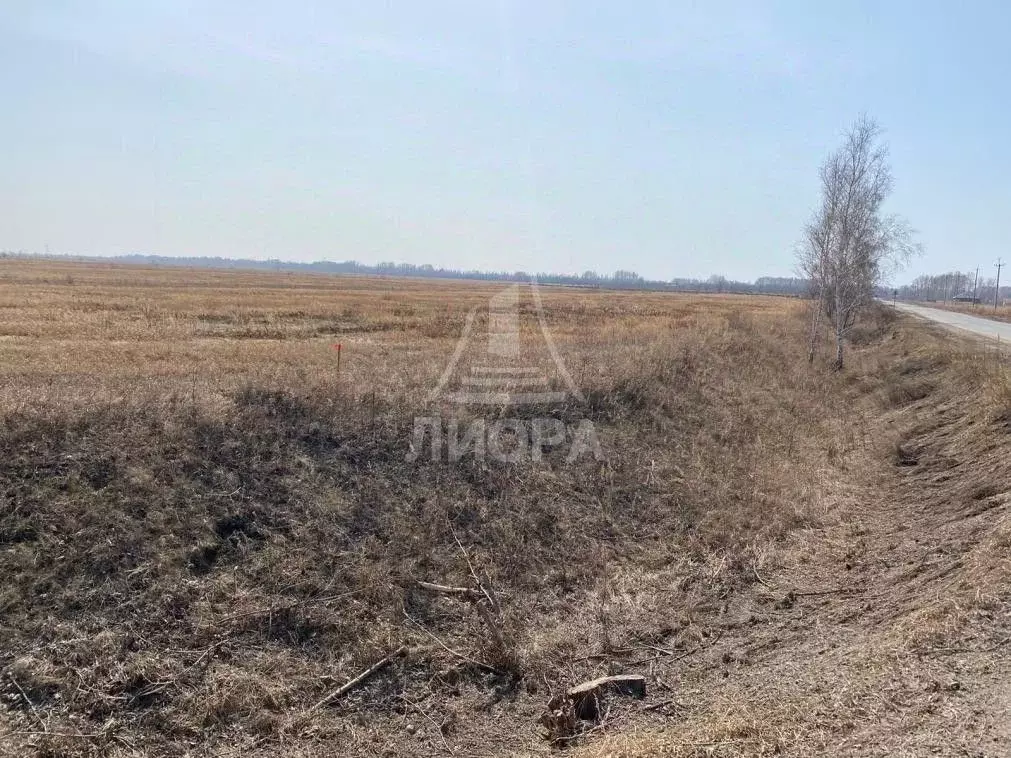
{"type": "Point", "coordinates": [674, 140]}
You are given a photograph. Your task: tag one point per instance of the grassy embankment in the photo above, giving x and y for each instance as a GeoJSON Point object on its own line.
{"type": "Point", "coordinates": [206, 529]}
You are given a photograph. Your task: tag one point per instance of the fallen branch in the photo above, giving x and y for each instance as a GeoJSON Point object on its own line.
{"type": "Point", "coordinates": [814, 593]}
{"type": "Point", "coordinates": [442, 589]}
{"type": "Point", "coordinates": [477, 580]}
{"type": "Point", "coordinates": [680, 656]}
{"type": "Point", "coordinates": [436, 724]}
{"type": "Point", "coordinates": [661, 705]}
{"type": "Point", "coordinates": [761, 580]}
{"type": "Point", "coordinates": [30, 704]}
{"type": "Point", "coordinates": [61, 735]}
{"type": "Point", "coordinates": [483, 603]}
{"type": "Point", "coordinates": [361, 678]}
{"type": "Point", "coordinates": [451, 651]}
{"type": "Point", "coordinates": [640, 648]}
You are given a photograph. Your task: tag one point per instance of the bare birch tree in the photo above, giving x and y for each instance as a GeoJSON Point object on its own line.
{"type": "Point", "coordinates": [849, 247]}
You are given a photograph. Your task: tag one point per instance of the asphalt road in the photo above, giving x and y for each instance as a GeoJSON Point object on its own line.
{"type": "Point", "coordinates": [981, 327]}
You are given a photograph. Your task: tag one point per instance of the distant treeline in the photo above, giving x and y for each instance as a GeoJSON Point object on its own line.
{"type": "Point", "coordinates": [953, 285]}
{"type": "Point", "coordinates": [620, 279]}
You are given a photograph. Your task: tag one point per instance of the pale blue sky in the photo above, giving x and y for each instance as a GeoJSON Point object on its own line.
{"type": "Point", "coordinates": [676, 139]}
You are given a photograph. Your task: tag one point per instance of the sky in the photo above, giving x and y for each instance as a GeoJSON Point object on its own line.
{"type": "Point", "coordinates": [670, 138]}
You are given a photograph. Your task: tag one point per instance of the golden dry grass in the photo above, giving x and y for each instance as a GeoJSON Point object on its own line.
{"type": "Point", "coordinates": [94, 330]}
{"type": "Point", "coordinates": [205, 528]}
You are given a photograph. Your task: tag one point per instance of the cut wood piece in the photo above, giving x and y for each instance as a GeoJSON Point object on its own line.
{"type": "Point", "coordinates": [586, 697]}
{"type": "Point", "coordinates": [633, 685]}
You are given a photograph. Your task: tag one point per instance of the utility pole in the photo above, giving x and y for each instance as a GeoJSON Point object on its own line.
{"type": "Point", "coordinates": [996, 290]}
{"type": "Point", "coordinates": [974, 283]}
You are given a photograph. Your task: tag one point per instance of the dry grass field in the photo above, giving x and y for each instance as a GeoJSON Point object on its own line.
{"type": "Point", "coordinates": [72, 332]}
{"type": "Point", "coordinates": [205, 529]}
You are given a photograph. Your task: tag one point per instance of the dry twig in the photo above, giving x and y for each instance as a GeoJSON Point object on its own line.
{"type": "Point", "coordinates": [362, 677]}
